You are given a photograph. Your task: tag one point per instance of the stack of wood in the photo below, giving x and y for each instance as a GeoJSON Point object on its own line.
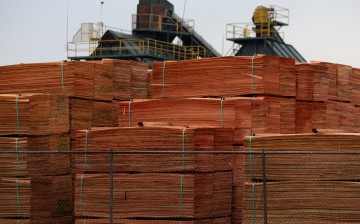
{"type": "Point", "coordinates": [130, 79]}
{"type": "Point", "coordinates": [154, 139]}
{"type": "Point", "coordinates": [33, 114]}
{"type": "Point", "coordinates": [154, 196]}
{"type": "Point", "coordinates": [187, 185]}
{"type": "Point", "coordinates": [287, 77]}
{"type": "Point", "coordinates": [75, 79]}
{"type": "Point", "coordinates": [315, 185]}
{"type": "Point", "coordinates": [207, 77]}
{"type": "Point", "coordinates": [23, 160]}
{"type": "Point", "coordinates": [245, 114]}
{"type": "Point", "coordinates": [344, 90]}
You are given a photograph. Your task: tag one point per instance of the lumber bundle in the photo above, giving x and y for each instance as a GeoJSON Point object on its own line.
{"type": "Point", "coordinates": [245, 114]}
{"type": "Point", "coordinates": [356, 128]}
{"type": "Point", "coordinates": [81, 112]}
{"type": "Point", "coordinates": [340, 115]}
{"type": "Point", "coordinates": [105, 114]}
{"type": "Point", "coordinates": [344, 90]}
{"type": "Point", "coordinates": [318, 117]}
{"type": "Point", "coordinates": [287, 77]}
{"type": "Point", "coordinates": [33, 114]}
{"type": "Point", "coordinates": [153, 139]}
{"type": "Point", "coordinates": [21, 164]}
{"type": "Point", "coordinates": [74, 79]}
{"type": "Point", "coordinates": [281, 115]}
{"type": "Point", "coordinates": [305, 82]}
{"type": "Point", "coordinates": [303, 202]}
{"type": "Point", "coordinates": [304, 116]}
{"type": "Point", "coordinates": [155, 196]}
{"type": "Point", "coordinates": [303, 167]}
{"type": "Point", "coordinates": [130, 79]}
{"type": "Point", "coordinates": [195, 112]}
{"type": "Point", "coordinates": [355, 86]}
{"type": "Point", "coordinates": [332, 76]}
{"type": "Point", "coordinates": [51, 200]}
{"type": "Point", "coordinates": [143, 221]}
{"type": "Point", "coordinates": [103, 81]}
{"type": "Point", "coordinates": [207, 77]}
{"type": "Point", "coordinates": [15, 198]}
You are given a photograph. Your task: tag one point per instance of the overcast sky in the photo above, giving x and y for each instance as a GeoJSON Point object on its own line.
{"type": "Point", "coordinates": [35, 30]}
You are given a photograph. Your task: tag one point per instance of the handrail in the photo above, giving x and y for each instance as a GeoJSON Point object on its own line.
{"type": "Point", "coordinates": [126, 47]}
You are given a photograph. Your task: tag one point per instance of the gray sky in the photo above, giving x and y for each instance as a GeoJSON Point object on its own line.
{"type": "Point", "coordinates": [35, 30]}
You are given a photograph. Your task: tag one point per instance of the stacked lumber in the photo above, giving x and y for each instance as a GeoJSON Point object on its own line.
{"type": "Point", "coordinates": [321, 83]}
{"type": "Point", "coordinates": [356, 128]}
{"type": "Point", "coordinates": [344, 90]}
{"type": "Point", "coordinates": [103, 81]}
{"type": "Point", "coordinates": [81, 111]}
{"type": "Point", "coordinates": [287, 77]}
{"type": "Point", "coordinates": [18, 163]}
{"type": "Point", "coordinates": [14, 221]}
{"type": "Point", "coordinates": [355, 86]}
{"type": "Point", "coordinates": [15, 198]}
{"type": "Point", "coordinates": [51, 200]}
{"type": "Point", "coordinates": [130, 79]}
{"type": "Point", "coordinates": [154, 195]}
{"type": "Point", "coordinates": [318, 117]}
{"type": "Point", "coordinates": [281, 115]}
{"type": "Point", "coordinates": [207, 77]}
{"type": "Point", "coordinates": [332, 76]}
{"type": "Point", "coordinates": [142, 221]}
{"type": "Point", "coordinates": [153, 139]}
{"type": "Point", "coordinates": [33, 114]}
{"type": "Point", "coordinates": [304, 167]}
{"type": "Point", "coordinates": [305, 82]}
{"type": "Point", "coordinates": [315, 188]}
{"type": "Point", "coordinates": [104, 114]}
{"type": "Point", "coordinates": [75, 79]}
{"type": "Point", "coordinates": [245, 114]}
{"type": "Point", "coordinates": [303, 202]}
{"type": "Point", "coordinates": [304, 116]}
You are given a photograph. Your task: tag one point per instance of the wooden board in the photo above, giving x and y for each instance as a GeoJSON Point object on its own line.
{"type": "Point", "coordinates": [154, 195]}
{"type": "Point", "coordinates": [33, 114]}
{"type": "Point", "coordinates": [297, 167]}
{"type": "Point", "coordinates": [153, 139]}
{"type": "Point", "coordinates": [74, 79]}
{"type": "Point", "coordinates": [344, 87]}
{"type": "Point", "coordinates": [207, 77]}
{"type": "Point", "coordinates": [103, 81]}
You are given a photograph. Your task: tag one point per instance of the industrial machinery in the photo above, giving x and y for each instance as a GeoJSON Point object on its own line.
{"type": "Point", "coordinates": [157, 34]}
{"type": "Point", "coordinates": [262, 36]}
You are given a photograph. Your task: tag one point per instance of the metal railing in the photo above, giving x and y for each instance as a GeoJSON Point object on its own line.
{"type": "Point", "coordinates": [136, 47]}
{"type": "Point", "coordinates": [160, 23]}
{"type": "Point", "coordinates": [248, 30]}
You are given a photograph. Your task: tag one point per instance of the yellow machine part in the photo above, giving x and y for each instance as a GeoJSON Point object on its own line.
{"type": "Point", "coordinates": [261, 15]}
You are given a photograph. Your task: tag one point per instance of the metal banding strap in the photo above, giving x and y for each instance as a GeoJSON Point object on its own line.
{"type": "Point", "coordinates": [253, 183]}
{"type": "Point", "coordinates": [253, 75]}
{"type": "Point", "coordinates": [163, 79]}
{"type": "Point", "coordinates": [183, 147]}
{"type": "Point", "coordinates": [17, 181]}
{"type": "Point", "coordinates": [85, 148]}
{"type": "Point", "coordinates": [81, 196]}
{"type": "Point", "coordinates": [222, 112]}
{"type": "Point", "coordinates": [62, 76]}
{"type": "Point", "coordinates": [17, 113]}
{"type": "Point", "coordinates": [182, 175]}
{"type": "Point", "coordinates": [129, 113]}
